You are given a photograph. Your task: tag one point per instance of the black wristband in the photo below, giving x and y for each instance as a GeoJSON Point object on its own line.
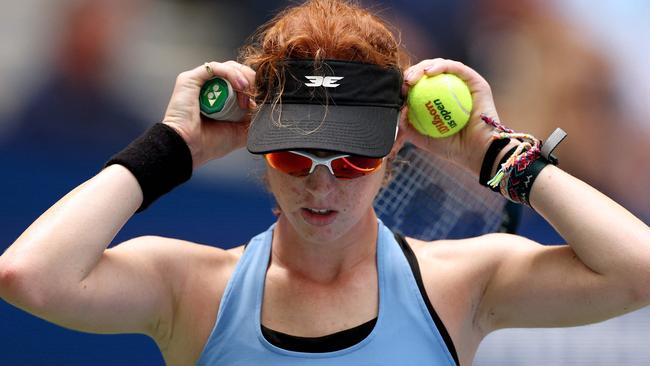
{"type": "Point", "coordinates": [159, 159]}
{"type": "Point", "coordinates": [521, 184]}
{"type": "Point", "coordinates": [488, 161]}
{"type": "Point", "coordinates": [503, 160]}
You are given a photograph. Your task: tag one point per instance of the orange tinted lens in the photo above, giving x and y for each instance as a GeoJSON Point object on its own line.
{"type": "Point", "coordinates": [355, 166]}
{"type": "Point", "coordinates": [290, 163]}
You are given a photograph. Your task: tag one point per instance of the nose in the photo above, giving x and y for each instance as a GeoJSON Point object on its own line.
{"type": "Point", "coordinates": [320, 182]}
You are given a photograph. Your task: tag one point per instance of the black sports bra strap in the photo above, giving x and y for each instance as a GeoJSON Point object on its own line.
{"type": "Point", "coordinates": [415, 268]}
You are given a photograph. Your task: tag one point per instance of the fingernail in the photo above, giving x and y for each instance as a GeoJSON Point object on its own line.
{"type": "Point", "coordinates": [243, 83]}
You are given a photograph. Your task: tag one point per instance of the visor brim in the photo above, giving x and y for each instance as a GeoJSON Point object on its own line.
{"type": "Point", "coordinates": [360, 130]}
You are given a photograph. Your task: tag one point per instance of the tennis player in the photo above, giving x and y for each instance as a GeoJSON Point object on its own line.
{"type": "Point", "coordinates": [328, 283]}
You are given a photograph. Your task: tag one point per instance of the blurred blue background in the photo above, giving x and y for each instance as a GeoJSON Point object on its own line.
{"type": "Point", "coordinates": [79, 79]}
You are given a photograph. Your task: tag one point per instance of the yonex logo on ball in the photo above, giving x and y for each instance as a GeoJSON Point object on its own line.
{"type": "Point", "coordinates": [324, 81]}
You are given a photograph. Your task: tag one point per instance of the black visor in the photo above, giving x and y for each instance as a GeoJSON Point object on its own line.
{"type": "Point", "coordinates": [342, 106]}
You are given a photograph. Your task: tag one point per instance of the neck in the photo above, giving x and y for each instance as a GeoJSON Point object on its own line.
{"type": "Point", "coordinates": [325, 262]}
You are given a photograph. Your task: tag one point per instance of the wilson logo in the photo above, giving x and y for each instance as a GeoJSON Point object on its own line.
{"type": "Point", "coordinates": [324, 81]}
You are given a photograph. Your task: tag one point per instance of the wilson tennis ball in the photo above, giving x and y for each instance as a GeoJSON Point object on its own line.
{"type": "Point", "coordinates": [439, 106]}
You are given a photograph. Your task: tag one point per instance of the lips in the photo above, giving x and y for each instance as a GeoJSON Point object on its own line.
{"type": "Point", "coordinates": [318, 216]}
{"type": "Point", "coordinates": [319, 211]}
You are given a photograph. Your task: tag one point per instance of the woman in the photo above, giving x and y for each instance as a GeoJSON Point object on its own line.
{"type": "Point", "coordinates": [327, 283]}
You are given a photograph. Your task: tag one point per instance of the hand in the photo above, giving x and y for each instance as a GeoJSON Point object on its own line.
{"type": "Point", "coordinates": [466, 148]}
{"type": "Point", "coordinates": [209, 139]}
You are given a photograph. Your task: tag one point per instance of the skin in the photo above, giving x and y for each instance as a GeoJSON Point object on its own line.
{"type": "Point", "coordinates": [323, 279]}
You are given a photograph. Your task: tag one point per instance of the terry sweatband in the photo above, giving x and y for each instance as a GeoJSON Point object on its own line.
{"type": "Point", "coordinates": [159, 159]}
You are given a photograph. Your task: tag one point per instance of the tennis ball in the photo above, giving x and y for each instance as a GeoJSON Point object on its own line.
{"type": "Point", "coordinates": [439, 106]}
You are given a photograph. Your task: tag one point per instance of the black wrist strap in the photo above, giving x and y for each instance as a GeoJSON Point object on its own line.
{"type": "Point", "coordinates": [488, 161]}
{"type": "Point", "coordinates": [503, 160]}
{"type": "Point", "coordinates": [159, 159]}
{"type": "Point", "coordinates": [526, 179]}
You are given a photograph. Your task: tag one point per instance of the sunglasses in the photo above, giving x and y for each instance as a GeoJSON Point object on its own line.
{"type": "Point", "coordinates": [343, 166]}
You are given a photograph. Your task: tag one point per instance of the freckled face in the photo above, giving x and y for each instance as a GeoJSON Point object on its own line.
{"type": "Point", "coordinates": [321, 207]}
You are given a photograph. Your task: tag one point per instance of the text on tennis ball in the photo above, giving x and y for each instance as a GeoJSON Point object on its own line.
{"type": "Point", "coordinates": [439, 113]}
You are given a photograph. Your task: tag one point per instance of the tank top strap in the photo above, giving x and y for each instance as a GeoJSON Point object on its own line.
{"type": "Point", "coordinates": [401, 300]}
{"type": "Point", "coordinates": [393, 274]}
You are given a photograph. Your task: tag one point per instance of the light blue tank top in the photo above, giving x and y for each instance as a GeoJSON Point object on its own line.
{"type": "Point", "coordinates": [404, 333]}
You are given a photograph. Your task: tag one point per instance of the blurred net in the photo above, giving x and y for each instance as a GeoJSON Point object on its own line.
{"type": "Point", "coordinates": [430, 198]}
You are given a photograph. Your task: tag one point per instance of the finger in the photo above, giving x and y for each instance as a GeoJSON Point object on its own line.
{"type": "Point", "coordinates": [225, 71]}
{"type": "Point", "coordinates": [466, 73]}
{"type": "Point", "coordinates": [241, 100]}
{"type": "Point", "coordinates": [415, 72]}
{"type": "Point", "coordinates": [234, 73]}
{"type": "Point", "coordinates": [244, 95]}
{"type": "Point", "coordinates": [244, 73]}
{"type": "Point", "coordinates": [248, 73]}
{"type": "Point", "coordinates": [201, 74]}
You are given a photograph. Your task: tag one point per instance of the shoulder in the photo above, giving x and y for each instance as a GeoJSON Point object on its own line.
{"type": "Point", "coordinates": [181, 265]}
{"type": "Point", "coordinates": [456, 274]}
{"type": "Point", "coordinates": [193, 274]}
{"type": "Point", "coordinates": [488, 249]}
{"type": "Point", "coordinates": [469, 263]}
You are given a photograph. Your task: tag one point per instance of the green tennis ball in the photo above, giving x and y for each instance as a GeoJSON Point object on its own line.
{"type": "Point", "coordinates": [439, 106]}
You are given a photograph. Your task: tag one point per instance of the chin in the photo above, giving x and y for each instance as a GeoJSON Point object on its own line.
{"type": "Point", "coordinates": [325, 234]}
{"type": "Point", "coordinates": [323, 231]}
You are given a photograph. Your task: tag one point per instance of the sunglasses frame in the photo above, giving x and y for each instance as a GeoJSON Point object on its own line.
{"type": "Point", "coordinates": [327, 162]}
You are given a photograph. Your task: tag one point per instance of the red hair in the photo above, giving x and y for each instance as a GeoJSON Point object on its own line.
{"type": "Point", "coordinates": [319, 30]}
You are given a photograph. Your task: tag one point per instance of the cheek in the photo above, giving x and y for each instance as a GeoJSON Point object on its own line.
{"type": "Point", "coordinates": [282, 186]}
{"type": "Point", "coordinates": [350, 195]}
{"type": "Point", "coordinates": [361, 192]}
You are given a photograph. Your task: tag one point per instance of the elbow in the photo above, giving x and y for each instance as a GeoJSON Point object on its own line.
{"type": "Point", "coordinates": [5, 279]}
{"type": "Point", "coordinates": [9, 277]}
{"type": "Point", "coordinates": [19, 288]}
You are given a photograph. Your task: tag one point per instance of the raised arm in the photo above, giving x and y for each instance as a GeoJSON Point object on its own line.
{"type": "Point", "coordinates": [59, 268]}
{"type": "Point", "coordinates": [604, 270]}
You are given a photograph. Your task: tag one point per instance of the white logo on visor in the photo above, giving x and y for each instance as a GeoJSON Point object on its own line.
{"type": "Point", "coordinates": [325, 81]}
